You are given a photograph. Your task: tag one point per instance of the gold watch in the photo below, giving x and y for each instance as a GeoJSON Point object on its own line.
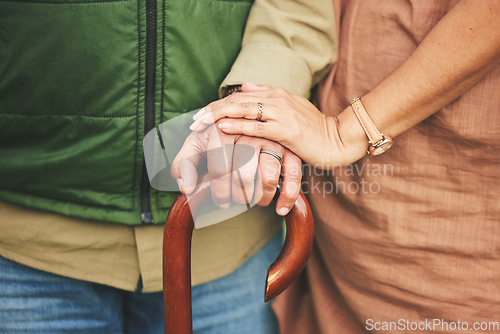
{"type": "Point", "coordinates": [377, 141]}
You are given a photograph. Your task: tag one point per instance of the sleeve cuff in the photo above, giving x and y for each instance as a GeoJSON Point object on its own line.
{"type": "Point", "coordinates": [269, 64]}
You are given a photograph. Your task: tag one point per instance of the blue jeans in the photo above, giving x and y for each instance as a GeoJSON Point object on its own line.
{"type": "Point", "coordinates": [33, 301]}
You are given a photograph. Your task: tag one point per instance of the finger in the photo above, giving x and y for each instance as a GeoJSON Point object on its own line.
{"type": "Point", "coordinates": [219, 156]}
{"type": "Point", "coordinates": [265, 91]}
{"type": "Point", "coordinates": [183, 167]}
{"type": "Point", "coordinates": [189, 175]}
{"type": "Point", "coordinates": [185, 173]}
{"type": "Point", "coordinates": [249, 108]}
{"type": "Point", "coordinates": [255, 94]}
{"type": "Point", "coordinates": [250, 87]}
{"type": "Point", "coordinates": [292, 176]}
{"type": "Point", "coordinates": [268, 130]}
{"type": "Point", "coordinates": [202, 121]}
{"type": "Point", "coordinates": [245, 162]}
{"type": "Point", "coordinates": [200, 113]}
{"type": "Point", "coordinates": [268, 174]}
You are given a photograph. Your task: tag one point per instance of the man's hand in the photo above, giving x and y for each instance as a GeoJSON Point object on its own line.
{"type": "Point", "coordinates": [238, 170]}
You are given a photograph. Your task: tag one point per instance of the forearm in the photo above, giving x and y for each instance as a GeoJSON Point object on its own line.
{"type": "Point", "coordinates": [455, 55]}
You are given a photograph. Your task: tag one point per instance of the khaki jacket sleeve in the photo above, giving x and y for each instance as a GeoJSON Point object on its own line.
{"type": "Point", "coordinates": [287, 44]}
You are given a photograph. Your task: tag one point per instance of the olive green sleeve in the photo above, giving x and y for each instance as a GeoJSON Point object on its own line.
{"type": "Point", "coordinates": [287, 44]}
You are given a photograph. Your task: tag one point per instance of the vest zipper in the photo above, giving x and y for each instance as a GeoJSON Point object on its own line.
{"type": "Point", "coordinates": [149, 102]}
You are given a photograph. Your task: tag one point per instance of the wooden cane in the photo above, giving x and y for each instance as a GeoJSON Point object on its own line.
{"type": "Point", "coordinates": [177, 256]}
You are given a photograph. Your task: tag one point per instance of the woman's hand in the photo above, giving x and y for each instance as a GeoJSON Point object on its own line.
{"type": "Point", "coordinates": [288, 119]}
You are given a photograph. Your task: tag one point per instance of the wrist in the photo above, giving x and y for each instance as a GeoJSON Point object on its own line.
{"type": "Point", "coordinates": [352, 138]}
{"type": "Point", "coordinates": [378, 143]}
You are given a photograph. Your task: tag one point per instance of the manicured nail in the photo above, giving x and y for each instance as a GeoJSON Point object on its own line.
{"type": "Point", "coordinates": [225, 206]}
{"type": "Point", "coordinates": [180, 182]}
{"type": "Point", "coordinates": [199, 113]}
{"type": "Point", "coordinates": [194, 125]}
{"type": "Point", "coordinates": [225, 126]}
{"type": "Point", "coordinates": [283, 211]}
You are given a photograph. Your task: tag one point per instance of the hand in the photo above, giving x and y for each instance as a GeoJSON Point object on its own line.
{"type": "Point", "coordinates": [268, 172]}
{"type": "Point", "coordinates": [288, 119]}
{"type": "Point", "coordinates": [233, 171]}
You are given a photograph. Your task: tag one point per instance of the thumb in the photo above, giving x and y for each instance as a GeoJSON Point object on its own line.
{"type": "Point", "coordinates": [183, 167]}
{"type": "Point", "coordinates": [250, 87]}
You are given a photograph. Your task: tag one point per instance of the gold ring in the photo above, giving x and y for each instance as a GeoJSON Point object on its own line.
{"type": "Point", "coordinates": [260, 112]}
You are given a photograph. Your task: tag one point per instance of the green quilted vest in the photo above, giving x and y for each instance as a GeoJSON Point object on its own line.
{"type": "Point", "coordinates": [82, 81]}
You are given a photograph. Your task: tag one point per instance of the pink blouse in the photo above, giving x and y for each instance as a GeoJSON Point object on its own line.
{"type": "Point", "coordinates": [408, 241]}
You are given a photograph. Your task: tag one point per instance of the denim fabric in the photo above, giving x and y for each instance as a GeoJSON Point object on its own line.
{"type": "Point", "coordinates": [33, 301]}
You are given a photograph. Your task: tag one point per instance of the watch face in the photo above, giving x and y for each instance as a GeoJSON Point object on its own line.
{"type": "Point", "coordinates": [381, 147]}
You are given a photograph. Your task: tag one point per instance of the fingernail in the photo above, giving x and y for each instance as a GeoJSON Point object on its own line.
{"type": "Point", "coordinates": [225, 206]}
{"type": "Point", "coordinates": [225, 125]}
{"type": "Point", "coordinates": [180, 182]}
{"type": "Point", "coordinates": [194, 125]}
{"type": "Point", "coordinates": [283, 211]}
{"type": "Point", "coordinates": [199, 113]}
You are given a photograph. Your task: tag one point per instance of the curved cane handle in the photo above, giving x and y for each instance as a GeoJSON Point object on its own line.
{"type": "Point", "coordinates": [177, 256]}
{"type": "Point", "coordinates": [296, 249]}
